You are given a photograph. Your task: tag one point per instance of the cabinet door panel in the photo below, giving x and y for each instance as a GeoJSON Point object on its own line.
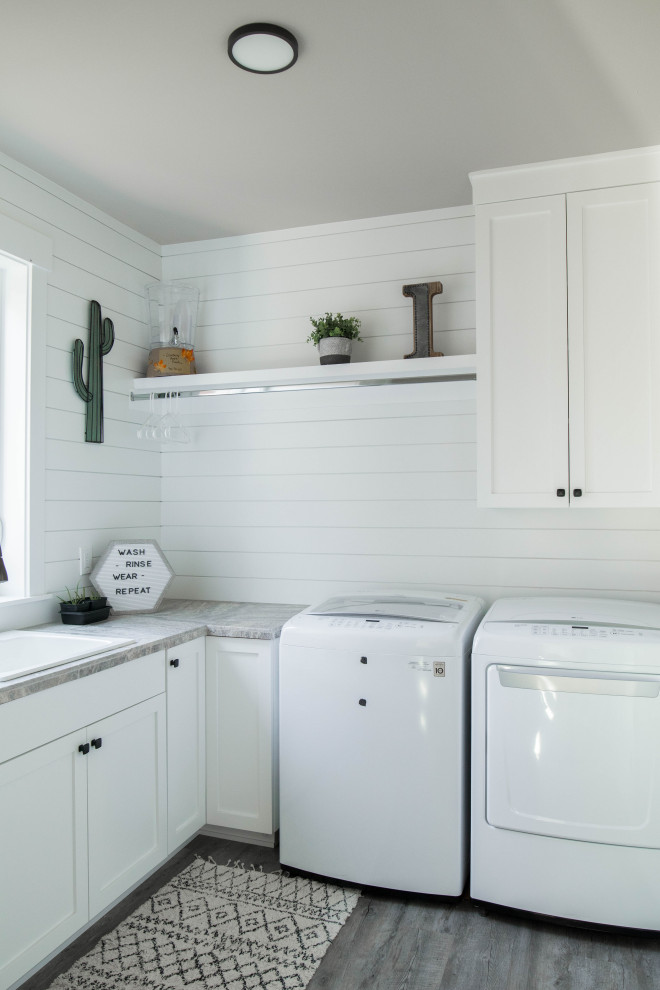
{"type": "Point", "coordinates": [43, 853]}
{"type": "Point", "coordinates": [613, 266]}
{"type": "Point", "coordinates": [127, 800]}
{"type": "Point", "coordinates": [240, 749]}
{"type": "Point", "coordinates": [186, 739]}
{"type": "Point", "coordinates": [522, 378]}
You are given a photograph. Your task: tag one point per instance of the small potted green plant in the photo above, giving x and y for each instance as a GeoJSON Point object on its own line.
{"type": "Point", "coordinates": [334, 334]}
{"type": "Point", "coordinates": [81, 607]}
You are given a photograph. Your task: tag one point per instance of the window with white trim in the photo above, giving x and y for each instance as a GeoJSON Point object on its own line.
{"type": "Point", "coordinates": [14, 451]}
{"type": "Point", "coordinates": [25, 256]}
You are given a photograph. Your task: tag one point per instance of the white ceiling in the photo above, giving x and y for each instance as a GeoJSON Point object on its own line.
{"type": "Point", "coordinates": [135, 106]}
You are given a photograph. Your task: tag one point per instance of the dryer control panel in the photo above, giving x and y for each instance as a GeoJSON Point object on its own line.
{"type": "Point", "coordinates": [586, 632]}
{"type": "Point", "coordinates": [570, 642]}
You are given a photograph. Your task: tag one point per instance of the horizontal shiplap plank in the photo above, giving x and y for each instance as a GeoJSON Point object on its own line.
{"type": "Point", "coordinates": [61, 395]}
{"type": "Point", "coordinates": [319, 230]}
{"type": "Point", "coordinates": [75, 281]}
{"type": "Point", "coordinates": [345, 487]}
{"type": "Point", "coordinates": [97, 262]}
{"type": "Point", "coordinates": [49, 208]}
{"type": "Point", "coordinates": [324, 433]}
{"type": "Point", "coordinates": [74, 322]}
{"type": "Point", "coordinates": [83, 515]}
{"type": "Point", "coordinates": [305, 591]}
{"type": "Point", "coordinates": [426, 541]}
{"type": "Point", "coordinates": [329, 460]}
{"type": "Point", "coordinates": [70, 425]}
{"type": "Point", "coordinates": [349, 299]}
{"type": "Point", "coordinates": [129, 361]}
{"type": "Point", "coordinates": [373, 241]}
{"type": "Point", "coordinates": [64, 486]}
{"type": "Point", "coordinates": [412, 266]}
{"type": "Point", "coordinates": [393, 513]}
{"type": "Point", "coordinates": [377, 321]}
{"type": "Point", "coordinates": [76, 455]}
{"type": "Point", "coordinates": [443, 398]}
{"type": "Point", "coordinates": [63, 545]}
{"type": "Point", "coordinates": [371, 348]}
{"type": "Point", "coordinates": [626, 576]}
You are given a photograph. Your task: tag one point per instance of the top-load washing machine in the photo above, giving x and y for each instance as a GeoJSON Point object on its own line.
{"type": "Point", "coordinates": [374, 701]}
{"type": "Point", "coordinates": [566, 759]}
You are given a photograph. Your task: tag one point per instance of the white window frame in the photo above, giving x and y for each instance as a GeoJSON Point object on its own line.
{"type": "Point", "coordinates": [34, 249]}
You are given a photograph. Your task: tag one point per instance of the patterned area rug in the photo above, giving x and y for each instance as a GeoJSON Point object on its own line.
{"type": "Point", "coordinates": [218, 927]}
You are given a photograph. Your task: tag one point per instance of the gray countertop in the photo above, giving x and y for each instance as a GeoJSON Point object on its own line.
{"type": "Point", "coordinates": [178, 621]}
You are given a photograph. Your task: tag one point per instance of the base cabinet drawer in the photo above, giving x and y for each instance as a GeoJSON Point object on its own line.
{"type": "Point", "coordinates": [241, 734]}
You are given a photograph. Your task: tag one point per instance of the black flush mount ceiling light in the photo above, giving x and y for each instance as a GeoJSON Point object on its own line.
{"type": "Point", "coordinates": [263, 48]}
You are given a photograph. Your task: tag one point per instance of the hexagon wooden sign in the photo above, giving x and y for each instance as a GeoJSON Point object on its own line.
{"type": "Point", "coordinates": [133, 575]}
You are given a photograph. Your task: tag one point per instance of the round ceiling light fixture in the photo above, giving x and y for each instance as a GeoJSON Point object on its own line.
{"type": "Point", "coordinates": [263, 48]}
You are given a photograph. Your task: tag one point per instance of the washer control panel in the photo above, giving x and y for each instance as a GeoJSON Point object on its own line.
{"type": "Point", "coordinates": [374, 624]}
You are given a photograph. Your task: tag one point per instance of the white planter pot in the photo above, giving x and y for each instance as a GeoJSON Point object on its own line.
{"type": "Point", "coordinates": [335, 350]}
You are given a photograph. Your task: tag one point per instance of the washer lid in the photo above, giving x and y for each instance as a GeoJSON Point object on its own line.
{"type": "Point", "coordinates": [429, 608]}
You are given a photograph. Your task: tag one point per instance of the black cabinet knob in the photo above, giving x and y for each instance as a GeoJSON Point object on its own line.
{"type": "Point", "coordinates": [577, 493]}
{"type": "Point", "coordinates": [96, 743]}
{"type": "Point", "coordinates": [561, 492]}
{"type": "Point", "coordinates": [83, 748]}
{"type": "Point", "coordinates": [363, 702]}
{"type": "Point", "coordinates": [174, 663]}
{"type": "Point", "coordinates": [363, 659]}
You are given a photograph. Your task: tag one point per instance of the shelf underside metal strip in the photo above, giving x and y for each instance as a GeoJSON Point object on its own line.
{"type": "Point", "coordinates": [300, 386]}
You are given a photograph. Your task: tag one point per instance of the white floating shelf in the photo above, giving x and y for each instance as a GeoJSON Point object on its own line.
{"type": "Point", "coordinates": [460, 367]}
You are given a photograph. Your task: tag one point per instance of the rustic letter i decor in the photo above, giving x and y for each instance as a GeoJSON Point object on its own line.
{"type": "Point", "coordinates": [101, 339]}
{"type": "Point", "coordinates": [422, 296]}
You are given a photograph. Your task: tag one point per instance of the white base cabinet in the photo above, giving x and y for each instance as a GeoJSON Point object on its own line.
{"type": "Point", "coordinates": [568, 349]}
{"type": "Point", "coordinates": [43, 853]}
{"type": "Point", "coordinates": [241, 734]}
{"type": "Point", "coordinates": [126, 800]}
{"type": "Point", "coordinates": [102, 777]}
{"type": "Point", "coordinates": [186, 742]}
{"type": "Point", "coordinates": [84, 815]}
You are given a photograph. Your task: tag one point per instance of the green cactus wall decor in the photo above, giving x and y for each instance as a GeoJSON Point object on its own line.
{"type": "Point", "coordinates": [101, 339]}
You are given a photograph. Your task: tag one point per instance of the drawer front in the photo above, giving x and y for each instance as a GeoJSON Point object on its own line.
{"type": "Point", "coordinates": [33, 721]}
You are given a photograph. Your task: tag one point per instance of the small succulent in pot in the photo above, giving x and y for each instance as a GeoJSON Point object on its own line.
{"type": "Point", "coordinates": [79, 602]}
{"type": "Point", "coordinates": [75, 601]}
{"type": "Point", "coordinates": [334, 334]}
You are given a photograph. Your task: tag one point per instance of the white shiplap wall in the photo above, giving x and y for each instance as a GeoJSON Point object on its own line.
{"type": "Point", "coordinates": [291, 498]}
{"type": "Point", "coordinates": [94, 492]}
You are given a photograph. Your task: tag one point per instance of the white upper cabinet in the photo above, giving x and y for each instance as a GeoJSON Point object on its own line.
{"type": "Point", "coordinates": [522, 384]}
{"type": "Point", "coordinates": [568, 311]}
{"type": "Point", "coordinates": [614, 345]}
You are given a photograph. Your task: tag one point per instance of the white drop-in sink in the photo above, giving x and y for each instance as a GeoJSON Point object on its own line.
{"type": "Point", "coordinates": [24, 652]}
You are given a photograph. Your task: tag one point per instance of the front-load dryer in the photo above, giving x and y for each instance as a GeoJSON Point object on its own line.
{"type": "Point", "coordinates": [374, 705]}
{"type": "Point", "coordinates": [566, 759]}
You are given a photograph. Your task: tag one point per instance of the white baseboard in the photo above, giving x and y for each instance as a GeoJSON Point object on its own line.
{"type": "Point", "coordinates": [269, 840]}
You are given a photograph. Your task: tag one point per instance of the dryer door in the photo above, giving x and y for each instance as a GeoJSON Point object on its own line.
{"type": "Point", "coordinates": [573, 754]}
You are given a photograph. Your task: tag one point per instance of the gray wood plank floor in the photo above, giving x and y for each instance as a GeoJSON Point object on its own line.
{"type": "Point", "coordinates": [403, 942]}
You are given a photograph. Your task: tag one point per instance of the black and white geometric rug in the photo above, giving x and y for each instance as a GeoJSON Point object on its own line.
{"type": "Point", "coordinates": [218, 928]}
